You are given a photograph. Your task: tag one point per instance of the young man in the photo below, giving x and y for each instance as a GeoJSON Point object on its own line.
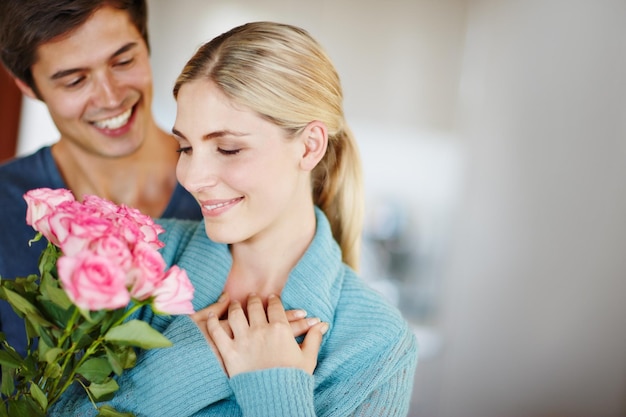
{"type": "Point", "coordinates": [88, 61]}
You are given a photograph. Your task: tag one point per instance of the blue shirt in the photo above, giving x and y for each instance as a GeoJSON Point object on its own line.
{"type": "Point", "coordinates": [17, 259]}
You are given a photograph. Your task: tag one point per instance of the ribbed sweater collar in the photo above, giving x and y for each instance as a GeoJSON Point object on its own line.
{"type": "Point", "coordinates": [314, 284]}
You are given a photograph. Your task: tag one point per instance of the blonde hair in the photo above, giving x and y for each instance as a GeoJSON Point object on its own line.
{"type": "Point", "coordinates": [280, 72]}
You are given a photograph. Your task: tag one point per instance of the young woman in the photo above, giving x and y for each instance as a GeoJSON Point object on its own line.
{"type": "Point", "coordinates": [266, 152]}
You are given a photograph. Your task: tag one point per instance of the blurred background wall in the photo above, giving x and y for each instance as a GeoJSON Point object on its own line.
{"type": "Point", "coordinates": [493, 134]}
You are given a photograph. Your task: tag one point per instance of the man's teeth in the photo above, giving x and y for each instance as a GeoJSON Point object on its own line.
{"type": "Point", "coordinates": [114, 122]}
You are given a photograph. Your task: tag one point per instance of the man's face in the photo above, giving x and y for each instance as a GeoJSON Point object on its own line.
{"type": "Point", "coordinates": [97, 84]}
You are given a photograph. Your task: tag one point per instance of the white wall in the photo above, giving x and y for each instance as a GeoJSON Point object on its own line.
{"type": "Point", "coordinates": [534, 318]}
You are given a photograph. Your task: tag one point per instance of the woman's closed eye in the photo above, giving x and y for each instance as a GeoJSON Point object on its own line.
{"type": "Point", "coordinates": [228, 151]}
{"type": "Point", "coordinates": [184, 149]}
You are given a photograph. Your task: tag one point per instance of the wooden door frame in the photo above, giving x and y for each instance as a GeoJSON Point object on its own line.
{"type": "Point", "coordinates": [10, 108]}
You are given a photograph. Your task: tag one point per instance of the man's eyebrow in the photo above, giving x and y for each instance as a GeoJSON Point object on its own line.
{"type": "Point", "coordinates": [64, 73]}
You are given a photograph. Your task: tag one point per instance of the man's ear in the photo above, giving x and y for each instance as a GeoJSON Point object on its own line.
{"type": "Point", "coordinates": [25, 89]}
{"type": "Point", "coordinates": [315, 138]}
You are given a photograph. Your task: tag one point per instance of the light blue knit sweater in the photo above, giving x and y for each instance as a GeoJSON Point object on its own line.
{"type": "Point", "coordinates": [366, 362]}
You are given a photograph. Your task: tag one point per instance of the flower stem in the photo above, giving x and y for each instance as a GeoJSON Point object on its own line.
{"type": "Point", "coordinates": [92, 349]}
{"type": "Point", "coordinates": [69, 329]}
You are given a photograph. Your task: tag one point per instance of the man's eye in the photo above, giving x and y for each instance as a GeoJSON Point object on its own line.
{"type": "Point", "coordinates": [228, 151]}
{"type": "Point", "coordinates": [184, 149]}
{"type": "Point", "coordinates": [74, 82]}
{"type": "Point", "coordinates": [124, 62]}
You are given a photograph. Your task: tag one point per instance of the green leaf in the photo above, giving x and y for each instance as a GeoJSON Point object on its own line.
{"type": "Point", "coordinates": [96, 370]}
{"type": "Point", "coordinates": [53, 370]}
{"type": "Point", "coordinates": [83, 341]}
{"type": "Point", "coordinates": [23, 306]}
{"type": "Point", "coordinates": [27, 285]}
{"type": "Point", "coordinates": [33, 330]}
{"type": "Point", "coordinates": [54, 312]}
{"type": "Point", "coordinates": [94, 317]}
{"type": "Point", "coordinates": [3, 289]}
{"type": "Point", "coordinates": [30, 368]}
{"type": "Point", "coordinates": [39, 396]}
{"type": "Point", "coordinates": [51, 355]}
{"type": "Point", "coordinates": [120, 358]}
{"type": "Point", "coordinates": [47, 337]}
{"type": "Point", "coordinates": [130, 358]}
{"type": "Point", "coordinates": [114, 360]}
{"type": "Point", "coordinates": [102, 390]}
{"type": "Point", "coordinates": [37, 237]}
{"type": "Point", "coordinates": [19, 303]}
{"type": "Point", "coordinates": [48, 259]}
{"type": "Point", "coordinates": [8, 385]}
{"type": "Point", "coordinates": [108, 411]}
{"type": "Point", "coordinates": [3, 410]}
{"type": "Point", "coordinates": [137, 333]}
{"type": "Point", "coordinates": [50, 291]}
{"type": "Point", "coordinates": [32, 407]}
{"type": "Point", "coordinates": [10, 359]}
{"type": "Point", "coordinates": [19, 407]}
{"type": "Point", "coordinates": [113, 317]}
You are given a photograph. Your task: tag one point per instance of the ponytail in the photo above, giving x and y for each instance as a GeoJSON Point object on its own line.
{"type": "Point", "coordinates": [338, 191]}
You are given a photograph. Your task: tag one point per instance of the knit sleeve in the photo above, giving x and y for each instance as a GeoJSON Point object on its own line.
{"type": "Point", "coordinates": [276, 392]}
{"type": "Point", "coordinates": [367, 363]}
{"type": "Point", "coordinates": [377, 388]}
{"type": "Point", "coordinates": [392, 397]}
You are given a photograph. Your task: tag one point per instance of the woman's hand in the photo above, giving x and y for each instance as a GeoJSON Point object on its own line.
{"type": "Point", "coordinates": [298, 321]}
{"type": "Point", "coordinates": [262, 341]}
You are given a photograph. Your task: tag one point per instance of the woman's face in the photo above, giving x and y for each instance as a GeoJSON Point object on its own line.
{"type": "Point", "coordinates": [243, 170]}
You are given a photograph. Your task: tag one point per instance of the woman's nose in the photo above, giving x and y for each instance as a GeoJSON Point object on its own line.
{"type": "Point", "coordinates": [196, 172]}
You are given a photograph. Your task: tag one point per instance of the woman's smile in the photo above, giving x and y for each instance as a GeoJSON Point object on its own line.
{"type": "Point", "coordinates": [213, 208]}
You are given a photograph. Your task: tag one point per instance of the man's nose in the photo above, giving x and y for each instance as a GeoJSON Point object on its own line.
{"type": "Point", "coordinates": [108, 92]}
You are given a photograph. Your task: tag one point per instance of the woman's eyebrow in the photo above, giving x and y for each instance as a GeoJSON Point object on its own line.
{"type": "Point", "coordinates": [212, 135]}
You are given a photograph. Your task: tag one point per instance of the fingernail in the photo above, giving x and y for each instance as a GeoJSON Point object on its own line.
{"type": "Point", "coordinates": [211, 314]}
{"type": "Point", "coordinates": [324, 328]}
{"type": "Point", "coordinates": [299, 314]}
{"type": "Point", "coordinates": [312, 321]}
{"type": "Point", "coordinates": [222, 298]}
{"type": "Point", "coordinates": [271, 296]}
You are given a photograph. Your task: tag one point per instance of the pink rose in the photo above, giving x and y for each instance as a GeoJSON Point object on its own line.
{"type": "Point", "coordinates": [174, 294]}
{"type": "Point", "coordinates": [93, 282]}
{"type": "Point", "coordinates": [101, 206]}
{"type": "Point", "coordinates": [114, 249]}
{"type": "Point", "coordinates": [148, 230]}
{"type": "Point", "coordinates": [72, 228]}
{"type": "Point", "coordinates": [42, 201]}
{"type": "Point", "coordinates": [147, 271]}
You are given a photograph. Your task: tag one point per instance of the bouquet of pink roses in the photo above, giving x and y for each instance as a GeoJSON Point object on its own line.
{"type": "Point", "coordinates": [101, 264]}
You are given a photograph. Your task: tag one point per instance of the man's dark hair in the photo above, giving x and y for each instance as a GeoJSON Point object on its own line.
{"type": "Point", "coordinates": [27, 24]}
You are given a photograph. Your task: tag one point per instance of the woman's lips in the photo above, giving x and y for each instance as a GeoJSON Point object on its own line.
{"type": "Point", "coordinates": [216, 207]}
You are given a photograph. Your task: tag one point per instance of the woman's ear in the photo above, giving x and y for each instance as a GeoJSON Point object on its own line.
{"type": "Point", "coordinates": [315, 138]}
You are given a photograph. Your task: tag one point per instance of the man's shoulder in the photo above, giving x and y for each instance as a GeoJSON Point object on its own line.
{"type": "Point", "coordinates": [24, 173]}
{"type": "Point", "coordinates": [17, 176]}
